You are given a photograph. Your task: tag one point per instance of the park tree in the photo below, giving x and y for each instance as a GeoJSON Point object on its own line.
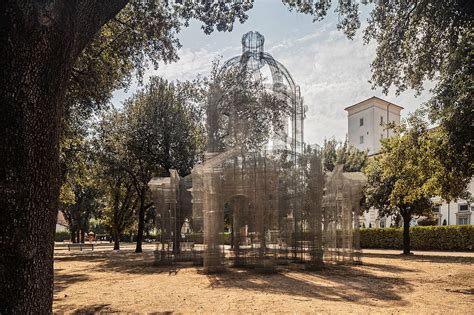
{"type": "Point", "coordinates": [426, 40]}
{"type": "Point", "coordinates": [41, 41]}
{"type": "Point", "coordinates": [418, 42]}
{"type": "Point", "coordinates": [79, 198]}
{"type": "Point", "coordinates": [164, 131]}
{"type": "Point", "coordinates": [121, 204]}
{"type": "Point", "coordinates": [113, 176]}
{"type": "Point", "coordinates": [402, 180]}
{"type": "Point", "coordinates": [335, 152]}
{"type": "Point", "coordinates": [78, 210]}
{"type": "Point", "coordinates": [159, 129]}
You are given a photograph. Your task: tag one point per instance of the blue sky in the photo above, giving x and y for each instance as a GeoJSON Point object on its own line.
{"type": "Point", "coordinates": [332, 71]}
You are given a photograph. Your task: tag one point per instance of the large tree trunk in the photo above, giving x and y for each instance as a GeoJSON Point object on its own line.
{"type": "Point", "coordinates": [35, 66]}
{"type": "Point", "coordinates": [406, 235]}
{"type": "Point", "coordinates": [39, 42]}
{"type": "Point", "coordinates": [141, 223]}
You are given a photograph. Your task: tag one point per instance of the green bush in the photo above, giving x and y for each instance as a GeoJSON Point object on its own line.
{"type": "Point", "coordinates": [452, 237]}
{"type": "Point", "coordinates": [62, 236]}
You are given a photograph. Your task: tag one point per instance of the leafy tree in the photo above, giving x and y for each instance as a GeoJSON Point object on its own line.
{"type": "Point", "coordinates": [335, 152]}
{"type": "Point", "coordinates": [111, 155]}
{"type": "Point", "coordinates": [79, 198]}
{"type": "Point", "coordinates": [164, 131]}
{"type": "Point", "coordinates": [401, 181]}
{"type": "Point", "coordinates": [121, 206]}
{"type": "Point", "coordinates": [329, 152]}
{"type": "Point", "coordinates": [159, 129]}
{"type": "Point", "coordinates": [419, 41]}
{"type": "Point", "coordinates": [40, 44]}
{"type": "Point", "coordinates": [430, 40]}
{"type": "Point", "coordinates": [84, 205]}
{"type": "Point", "coordinates": [315, 179]}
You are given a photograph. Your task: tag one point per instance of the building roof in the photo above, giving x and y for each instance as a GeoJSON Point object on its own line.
{"type": "Point", "coordinates": [371, 98]}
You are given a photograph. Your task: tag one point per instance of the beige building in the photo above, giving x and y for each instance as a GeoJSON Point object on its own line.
{"type": "Point", "coordinates": [367, 123]}
{"type": "Point", "coordinates": [366, 126]}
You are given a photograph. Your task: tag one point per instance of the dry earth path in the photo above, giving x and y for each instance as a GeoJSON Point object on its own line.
{"type": "Point", "coordinates": [105, 281]}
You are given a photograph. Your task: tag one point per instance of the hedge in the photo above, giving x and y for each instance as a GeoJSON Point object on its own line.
{"type": "Point", "coordinates": [452, 237]}
{"type": "Point", "coordinates": [62, 236]}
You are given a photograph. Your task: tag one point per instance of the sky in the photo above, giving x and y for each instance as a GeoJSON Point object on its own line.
{"type": "Point", "coordinates": [332, 71]}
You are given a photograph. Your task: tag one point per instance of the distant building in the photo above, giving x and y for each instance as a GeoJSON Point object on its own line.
{"type": "Point", "coordinates": [367, 121]}
{"type": "Point", "coordinates": [61, 223]}
{"type": "Point", "coordinates": [456, 212]}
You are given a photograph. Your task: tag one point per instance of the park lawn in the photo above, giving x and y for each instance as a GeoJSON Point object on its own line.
{"type": "Point", "coordinates": [107, 281]}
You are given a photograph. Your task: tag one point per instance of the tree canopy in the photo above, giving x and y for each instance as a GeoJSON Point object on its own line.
{"type": "Point", "coordinates": [335, 152]}
{"type": "Point", "coordinates": [402, 180]}
{"type": "Point", "coordinates": [418, 42]}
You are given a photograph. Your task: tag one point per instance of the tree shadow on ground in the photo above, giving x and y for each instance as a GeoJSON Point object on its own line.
{"type": "Point", "coordinates": [126, 262]}
{"type": "Point", "coordinates": [333, 283]}
{"type": "Point", "coordinates": [425, 258]}
{"type": "Point", "coordinates": [89, 309]}
{"type": "Point", "coordinates": [62, 281]}
{"type": "Point", "coordinates": [387, 267]}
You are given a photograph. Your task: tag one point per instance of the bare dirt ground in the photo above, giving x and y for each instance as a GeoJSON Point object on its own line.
{"type": "Point", "coordinates": [107, 281]}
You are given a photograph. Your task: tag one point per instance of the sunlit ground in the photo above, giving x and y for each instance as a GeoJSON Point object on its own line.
{"type": "Point", "coordinates": [106, 281]}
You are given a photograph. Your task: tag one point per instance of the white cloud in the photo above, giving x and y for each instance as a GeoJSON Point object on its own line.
{"type": "Point", "coordinates": [332, 71]}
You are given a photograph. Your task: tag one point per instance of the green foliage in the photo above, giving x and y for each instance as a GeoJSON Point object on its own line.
{"type": "Point", "coordinates": [430, 220]}
{"type": "Point", "coordinates": [348, 12]}
{"type": "Point", "coordinates": [62, 236]}
{"type": "Point", "coordinates": [452, 237]}
{"type": "Point", "coordinates": [402, 179]}
{"type": "Point", "coordinates": [420, 41]}
{"type": "Point", "coordinates": [143, 32]}
{"type": "Point", "coordinates": [164, 127]}
{"type": "Point", "coordinates": [335, 152]}
{"type": "Point", "coordinates": [432, 40]}
{"type": "Point", "coordinates": [197, 238]}
{"type": "Point", "coordinates": [159, 129]}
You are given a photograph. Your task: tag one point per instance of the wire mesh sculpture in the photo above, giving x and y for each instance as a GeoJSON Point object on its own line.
{"type": "Point", "coordinates": [269, 199]}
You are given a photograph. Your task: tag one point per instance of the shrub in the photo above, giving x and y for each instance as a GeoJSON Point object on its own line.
{"type": "Point", "coordinates": [452, 237]}
{"type": "Point", "coordinates": [62, 236]}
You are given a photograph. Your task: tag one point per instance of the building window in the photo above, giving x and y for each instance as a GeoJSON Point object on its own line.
{"type": "Point", "coordinates": [463, 208]}
{"type": "Point", "coordinates": [436, 209]}
{"type": "Point", "coordinates": [361, 139]}
{"type": "Point", "coordinates": [381, 120]}
{"type": "Point", "coordinates": [361, 121]}
{"type": "Point", "coordinates": [382, 223]}
{"type": "Point", "coordinates": [463, 220]}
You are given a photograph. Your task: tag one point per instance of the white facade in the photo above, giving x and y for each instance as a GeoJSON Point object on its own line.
{"type": "Point", "coordinates": [456, 212]}
{"type": "Point", "coordinates": [366, 126]}
{"type": "Point", "coordinates": [61, 228]}
{"type": "Point", "coordinates": [367, 121]}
